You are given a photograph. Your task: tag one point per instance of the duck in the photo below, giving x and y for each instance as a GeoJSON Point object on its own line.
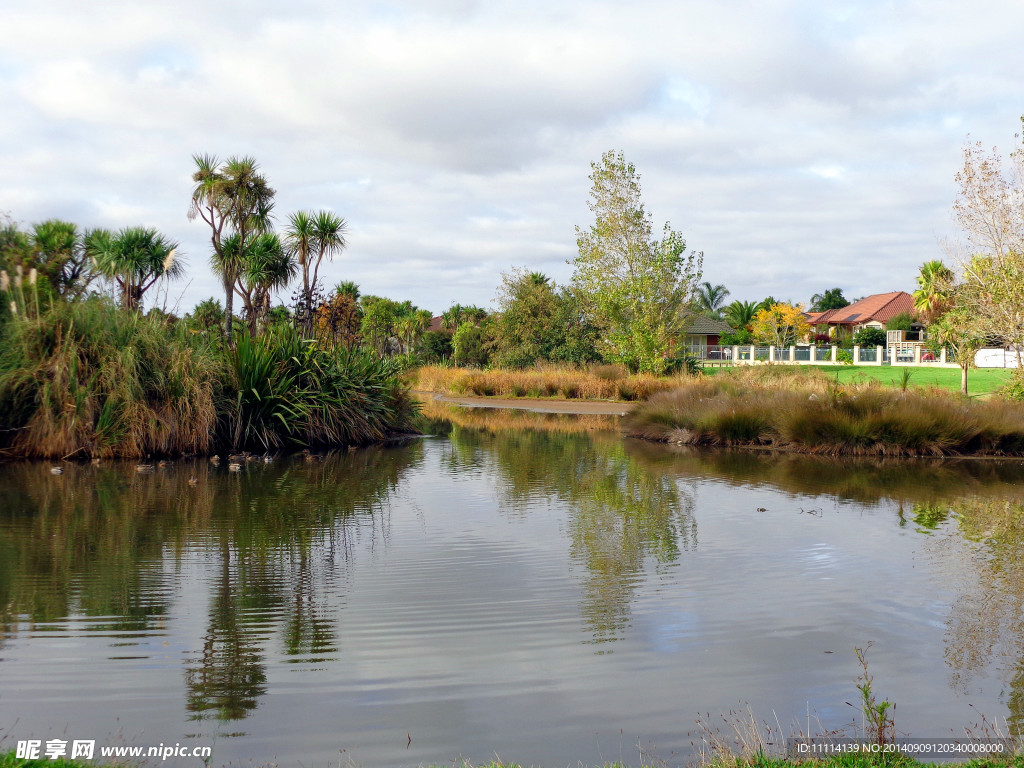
{"type": "Point", "coordinates": [193, 480]}
{"type": "Point", "coordinates": [215, 459]}
{"type": "Point", "coordinates": [234, 466]}
{"type": "Point", "coordinates": [56, 470]}
{"type": "Point", "coordinates": [144, 468]}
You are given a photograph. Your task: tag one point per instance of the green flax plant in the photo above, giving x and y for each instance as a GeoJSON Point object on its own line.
{"type": "Point", "coordinates": [289, 391]}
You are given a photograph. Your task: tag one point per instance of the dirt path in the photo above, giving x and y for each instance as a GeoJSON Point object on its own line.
{"type": "Point", "coordinates": [536, 405]}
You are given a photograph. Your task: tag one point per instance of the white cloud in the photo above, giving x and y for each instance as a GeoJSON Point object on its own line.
{"type": "Point", "coordinates": [800, 145]}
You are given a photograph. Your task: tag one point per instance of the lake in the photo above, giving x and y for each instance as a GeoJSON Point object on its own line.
{"type": "Point", "coordinates": [536, 589]}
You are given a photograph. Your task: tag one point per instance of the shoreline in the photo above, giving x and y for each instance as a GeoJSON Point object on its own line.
{"type": "Point", "coordinates": [577, 407]}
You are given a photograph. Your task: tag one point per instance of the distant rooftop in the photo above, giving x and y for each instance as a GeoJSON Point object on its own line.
{"type": "Point", "coordinates": [701, 325]}
{"type": "Point", "coordinates": [881, 307]}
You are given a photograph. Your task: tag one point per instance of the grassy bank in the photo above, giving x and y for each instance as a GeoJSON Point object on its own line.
{"type": "Point", "coordinates": [603, 382]}
{"type": "Point", "coordinates": [805, 410]}
{"type": "Point", "coordinates": [86, 379]}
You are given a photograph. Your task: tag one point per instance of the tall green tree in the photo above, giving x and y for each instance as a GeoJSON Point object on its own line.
{"type": "Point", "coordinates": [233, 199]}
{"type": "Point", "coordinates": [525, 326]}
{"type": "Point", "coordinates": [990, 210]}
{"type": "Point", "coordinates": [637, 290]}
{"type": "Point", "coordinates": [134, 258]}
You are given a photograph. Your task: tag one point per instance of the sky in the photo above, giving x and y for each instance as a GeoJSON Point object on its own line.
{"type": "Point", "coordinates": [799, 144]}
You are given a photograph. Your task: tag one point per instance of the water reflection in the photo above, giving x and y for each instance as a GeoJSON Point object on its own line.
{"type": "Point", "coordinates": [620, 513]}
{"type": "Point", "coordinates": [985, 501]}
{"type": "Point", "coordinates": [96, 541]}
{"type": "Point", "coordinates": [266, 560]}
{"type": "Point", "coordinates": [987, 623]}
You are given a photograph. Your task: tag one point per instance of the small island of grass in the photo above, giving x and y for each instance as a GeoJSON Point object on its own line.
{"type": "Point", "coordinates": [773, 408]}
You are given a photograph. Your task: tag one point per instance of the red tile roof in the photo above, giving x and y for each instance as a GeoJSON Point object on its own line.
{"type": "Point", "coordinates": [881, 308]}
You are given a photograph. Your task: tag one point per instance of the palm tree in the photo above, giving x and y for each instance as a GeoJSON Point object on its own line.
{"type": "Point", "coordinates": [234, 199]}
{"type": "Point", "coordinates": [740, 314]}
{"type": "Point", "coordinates": [134, 258]}
{"type": "Point", "coordinates": [710, 299]}
{"type": "Point", "coordinates": [267, 266]}
{"type": "Point", "coordinates": [58, 251]}
{"type": "Point", "coordinates": [300, 237]}
{"type": "Point", "coordinates": [347, 288]}
{"type": "Point", "coordinates": [934, 285]}
{"type": "Point", "coordinates": [452, 317]}
{"type": "Point", "coordinates": [312, 236]}
{"type": "Point", "coordinates": [330, 230]}
{"type": "Point", "coordinates": [832, 298]}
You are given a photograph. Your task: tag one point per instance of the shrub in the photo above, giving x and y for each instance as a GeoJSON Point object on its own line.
{"type": "Point", "coordinates": [870, 337]}
{"type": "Point", "coordinates": [741, 337]}
{"type": "Point", "coordinates": [468, 345]}
{"type": "Point", "coordinates": [901, 322]}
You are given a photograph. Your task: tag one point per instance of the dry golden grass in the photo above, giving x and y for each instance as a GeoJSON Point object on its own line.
{"type": "Point", "coordinates": [598, 383]}
{"type": "Point", "coordinates": [811, 413]}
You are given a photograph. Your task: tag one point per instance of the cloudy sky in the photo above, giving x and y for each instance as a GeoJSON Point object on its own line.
{"type": "Point", "coordinates": [800, 144]}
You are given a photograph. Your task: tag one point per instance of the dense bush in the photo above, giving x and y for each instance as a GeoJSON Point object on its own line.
{"type": "Point", "coordinates": [742, 337]}
{"type": "Point", "coordinates": [870, 337]}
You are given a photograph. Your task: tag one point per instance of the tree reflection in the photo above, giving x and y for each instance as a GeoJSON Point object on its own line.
{"type": "Point", "coordinates": [621, 515]}
{"type": "Point", "coordinates": [229, 677]}
{"type": "Point", "coordinates": [96, 541]}
{"type": "Point", "coordinates": [986, 625]}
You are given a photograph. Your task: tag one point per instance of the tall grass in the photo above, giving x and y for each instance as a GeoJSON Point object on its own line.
{"type": "Point", "coordinates": [87, 379]}
{"type": "Point", "coordinates": [810, 413]}
{"type": "Point", "coordinates": [604, 382]}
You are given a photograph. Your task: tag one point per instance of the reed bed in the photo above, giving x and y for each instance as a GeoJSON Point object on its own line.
{"type": "Point", "coordinates": [87, 380]}
{"type": "Point", "coordinates": [812, 414]}
{"type": "Point", "coordinates": [605, 382]}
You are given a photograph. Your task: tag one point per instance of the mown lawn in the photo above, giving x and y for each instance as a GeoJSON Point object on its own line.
{"type": "Point", "coordinates": [980, 381]}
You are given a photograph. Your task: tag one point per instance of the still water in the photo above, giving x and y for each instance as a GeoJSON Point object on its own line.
{"type": "Point", "coordinates": [544, 595]}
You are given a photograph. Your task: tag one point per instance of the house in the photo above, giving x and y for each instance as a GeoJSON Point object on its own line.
{"type": "Point", "coordinates": [870, 312]}
{"type": "Point", "coordinates": [704, 332]}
